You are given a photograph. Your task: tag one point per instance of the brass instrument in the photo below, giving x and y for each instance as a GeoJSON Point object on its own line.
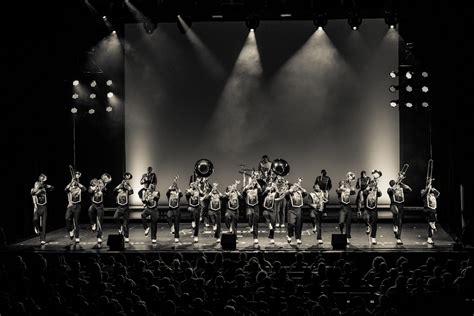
{"type": "Point", "coordinates": [175, 182]}
{"type": "Point", "coordinates": [401, 174]}
{"type": "Point", "coordinates": [280, 167]}
{"type": "Point", "coordinates": [203, 168]}
{"type": "Point", "coordinates": [429, 175]}
{"type": "Point", "coordinates": [350, 176]}
{"type": "Point", "coordinates": [75, 175]}
{"type": "Point", "coordinates": [106, 178]}
{"type": "Point", "coordinates": [297, 185]}
{"type": "Point", "coordinates": [374, 182]}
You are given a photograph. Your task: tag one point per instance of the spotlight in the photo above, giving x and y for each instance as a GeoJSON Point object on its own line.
{"type": "Point", "coordinates": [93, 83]}
{"type": "Point", "coordinates": [354, 22]}
{"type": "Point", "coordinates": [110, 94]}
{"type": "Point", "coordinates": [409, 88]}
{"type": "Point", "coordinates": [285, 15]}
{"type": "Point", "coordinates": [217, 16]}
{"type": "Point", "coordinates": [75, 96]}
{"type": "Point", "coordinates": [424, 74]}
{"type": "Point", "coordinates": [108, 109]}
{"type": "Point", "coordinates": [187, 20]}
{"type": "Point", "coordinates": [425, 104]}
{"type": "Point", "coordinates": [149, 25]}
{"type": "Point", "coordinates": [424, 89]}
{"type": "Point", "coordinates": [409, 74]}
{"type": "Point", "coordinates": [393, 88]}
{"type": "Point", "coordinates": [92, 96]}
{"type": "Point", "coordinates": [393, 74]}
{"type": "Point", "coordinates": [109, 82]}
{"type": "Point", "coordinates": [91, 111]}
{"type": "Point", "coordinates": [114, 32]}
{"type": "Point", "coordinates": [75, 83]}
{"type": "Point", "coordinates": [74, 110]}
{"type": "Point", "coordinates": [394, 103]}
{"type": "Point", "coordinates": [409, 105]}
{"type": "Point", "coordinates": [252, 22]}
{"type": "Point", "coordinates": [391, 19]}
{"type": "Point", "coordinates": [104, 18]}
{"type": "Point", "coordinates": [320, 21]}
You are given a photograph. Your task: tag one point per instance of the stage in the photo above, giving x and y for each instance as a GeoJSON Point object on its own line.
{"type": "Point", "coordinates": [413, 236]}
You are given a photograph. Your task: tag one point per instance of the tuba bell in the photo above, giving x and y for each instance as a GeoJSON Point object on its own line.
{"type": "Point", "coordinates": [280, 167]}
{"type": "Point", "coordinates": [106, 178]}
{"type": "Point", "coordinates": [203, 168]}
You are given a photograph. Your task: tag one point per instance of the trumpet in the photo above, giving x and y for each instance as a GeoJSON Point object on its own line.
{"type": "Point", "coordinates": [175, 182]}
{"type": "Point", "coordinates": [297, 185]}
{"type": "Point", "coordinates": [350, 176]}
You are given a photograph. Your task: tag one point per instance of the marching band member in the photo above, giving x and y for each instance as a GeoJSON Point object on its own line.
{"type": "Point", "coordinates": [361, 185]}
{"type": "Point", "coordinates": [96, 209]}
{"type": "Point", "coordinates": [233, 204]}
{"type": "Point", "coordinates": [250, 193]}
{"type": "Point", "coordinates": [430, 196]}
{"type": "Point", "coordinates": [122, 214]}
{"type": "Point", "coordinates": [40, 206]}
{"type": "Point", "coordinates": [265, 167]}
{"type": "Point", "coordinates": [215, 205]}
{"type": "Point", "coordinates": [325, 185]}
{"type": "Point", "coordinates": [371, 196]}
{"type": "Point", "coordinates": [317, 200]}
{"type": "Point", "coordinates": [280, 201]}
{"type": "Point", "coordinates": [150, 200]}
{"type": "Point", "coordinates": [174, 195]}
{"type": "Point", "coordinates": [397, 199]}
{"type": "Point", "coordinates": [344, 192]}
{"type": "Point", "coordinates": [194, 196]}
{"type": "Point", "coordinates": [149, 178]}
{"type": "Point", "coordinates": [269, 196]}
{"type": "Point", "coordinates": [295, 195]}
{"type": "Point", "coordinates": [205, 187]}
{"type": "Point", "coordinates": [74, 196]}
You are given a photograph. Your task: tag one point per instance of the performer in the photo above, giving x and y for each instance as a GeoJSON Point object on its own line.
{"type": "Point", "coordinates": [174, 195]}
{"type": "Point", "coordinates": [149, 178]}
{"type": "Point", "coordinates": [344, 193]}
{"type": "Point", "coordinates": [122, 214]}
{"type": "Point", "coordinates": [194, 196]}
{"type": "Point", "coordinates": [250, 193]}
{"type": "Point", "coordinates": [317, 200]}
{"type": "Point", "coordinates": [40, 206]}
{"type": "Point", "coordinates": [397, 199]}
{"type": "Point", "coordinates": [295, 195]}
{"type": "Point", "coordinates": [74, 196]}
{"type": "Point", "coordinates": [361, 185]}
{"type": "Point", "coordinates": [150, 200]}
{"type": "Point", "coordinates": [215, 205]}
{"type": "Point", "coordinates": [97, 188]}
{"type": "Point", "coordinates": [325, 184]}
{"type": "Point", "coordinates": [264, 167]}
{"type": "Point", "coordinates": [280, 201]}
{"type": "Point", "coordinates": [233, 204]}
{"type": "Point", "coordinates": [205, 187]}
{"type": "Point", "coordinates": [430, 195]}
{"type": "Point", "coordinates": [269, 213]}
{"type": "Point", "coordinates": [371, 196]}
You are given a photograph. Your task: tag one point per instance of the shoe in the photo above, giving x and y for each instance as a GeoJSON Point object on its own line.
{"type": "Point", "coordinates": [270, 226]}
{"type": "Point", "coordinates": [207, 224]}
{"type": "Point", "coordinates": [272, 241]}
{"type": "Point", "coordinates": [43, 243]}
{"type": "Point", "coordinates": [282, 225]}
{"type": "Point", "coordinates": [399, 242]}
{"type": "Point", "coordinates": [147, 231]}
{"type": "Point", "coordinates": [348, 240]}
{"type": "Point", "coordinates": [71, 234]}
{"type": "Point", "coordinates": [298, 241]}
{"type": "Point", "coordinates": [172, 229]}
{"type": "Point", "coordinates": [36, 230]}
{"type": "Point", "coordinates": [153, 241]}
{"type": "Point", "coordinates": [430, 241]}
{"type": "Point", "coordinates": [218, 240]}
{"type": "Point", "coordinates": [320, 241]}
{"type": "Point", "coordinates": [200, 219]}
{"type": "Point", "coordinates": [193, 224]}
{"type": "Point", "coordinates": [395, 229]}
{"type": "Point", "coordinates": [314, 229]}
{"type": "Point", "coordinates": [94, 226]}
{"type": "Point", "coordinates": [196, 239]}
{"type": "Point", "coordinates": [251, 229]}
{"type": "Point", "coordinates": [214, 228]}
{"type": "Point", "coordinates": [121, 230]}
{"type": "Point", "coordinates": [78, 240]}
{"type": "Point", "coordinates": [127, 239]}
{"type": "Point", "coordinates": [367, 231]}
{"type": "Point", "coordinates": [277, 225]}
{"type": "Point", "coordinates": [374, 241]}
{"type": "Point", "coordinates": [230, 231]}
{"type": "Point", "coordinates": [288, 239]}
{"type": "Point", "coordinates": [255, 241]}
{"type": "Point", "coordinates": [176, 240]}
{"type": "Point", "coordinates": [325, 214]}
{"type": "Point", "coordinates": [99, 240]}
{"type": "Point", "coordinates": [433, 226]}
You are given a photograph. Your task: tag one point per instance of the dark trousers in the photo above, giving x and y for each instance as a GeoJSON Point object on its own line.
{"type": "Point", "coordinates": [371, 217]}
{"type": "Point", "coordinates": [345, 219]}
{"type": "Point", "coordinates": [72, 218]}
{"type": "Point", "coordinates": [204, 212]}
{"type": "Point", "coordinates": [397, 214]}
{"type": "Point", "coordinates": [173, 216]}
{"type": "Point", "coordinates": [360, 200]}
{"type": "Point", "coordinates": [121, 218]}
{"type": "Point", "coordinates": [270, 218]}
{"type": "Point", "coordinates": [430, 218]}
{"type": "Point", "coordinates": [280, 211]}
{"type": "Point", "coordinates": [295, 223]}
{"type": "Point", "coordinates": [231, 219]}
{"type": "Point", "coordinates": [215, 218]}
{"type": "Point", "coordinates": [39, 220]}
{"type": "Point", "coordinates": [96, 216]}
{"type": "Point", "coordinates": [252, 217]}
{"type": "Point", "coordinates": [195, 213]}
{"type": "Point", "coordinates": [154, 214]}
{"type": "Point", "coordinates": [317, 218]}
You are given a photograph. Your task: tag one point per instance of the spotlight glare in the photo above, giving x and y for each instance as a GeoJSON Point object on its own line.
{"type": "Point", "coordinates": [109, 82]}
{"type": "Point", "coordinates": [392, 26]}
{"type": "Point", "coordinates": [393, 74]}
{"type": "Point", "coordinates": [75, 96]}
{"type": "Point", "coordinates": [93, 83]}
{"type": "Point", "coordinates": [75, 83]}
{"type": "Point", "coordinates": [320, 28]}
{"type": "Point", "coordinates": [424, 104]}
{"type": "Point", "coordinates": [73, 110]}
{"type": "Point", "coordinates": [424, 74]}
{"type": "Point", "coordinates": [424, 89]}
{"type": "Point", "coordinates": [104, 18]}
{"type": "Point", "coordinates": [320, 21]}
{"type": "Point", "coordinates": [354, 21]}
{"type": "Point", "coordinates": [92, 96]}
{"type": "Point", "coordinates": [393, 88]}
{"type": "Point", "coordinates": [91, 111]}
{"type": "Point", "coordinates": [409, 104]}
{"type": "Point", "coordinates": [394, 103]}
{"type": "Point", "coordinates": [114, 32]}
{"type": "Point", "coordinates": [409, 88]}
{"type": "Point", "coordinates": [109, 109]}
{"type": "Point", "coordinates": [110, 94]}
{"type": "Point", "coordinates": [409, 74]}
{"type": "Point", "coordinates": [354, 28]}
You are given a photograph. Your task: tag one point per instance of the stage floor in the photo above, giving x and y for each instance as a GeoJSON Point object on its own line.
{"type": "Point", "coordinates": [414, 238]}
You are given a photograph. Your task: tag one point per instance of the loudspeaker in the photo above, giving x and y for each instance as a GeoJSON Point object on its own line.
{"type": "Point", "coordinates": [116, 242]}
{"type": "Point", "coordinates": [228, 241]}
{"type": "Point", "coordinates": [339, 241]}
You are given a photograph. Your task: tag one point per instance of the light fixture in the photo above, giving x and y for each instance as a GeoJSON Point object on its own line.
{"type": "Point", "coordinates": [149, 25]}
{"type": "Point", "coordinates": [409, 104]}
{"type": "Point", "coordinates": [409, 74]}
{"type": "Point", "coordinates": [425, 89]}
{"type": "Point", "coordinates": [409, 88]}
{"type": "Point", "coordinates": [75, 96]}
{"type": "Point", "coordinates": [73, 110]}
{"type": "Point", "coordinates": [320, 21]}
{"type": "Point", "coordinates": [393, 74]}
{"type": "Point", "coordinates": [108, 109]}
{"type": "Point", "coordinates": [109, 82]}
{"type": "Point", "coordinates": [91, 111]}
{"type": "Point", "coordinates": [393, 88]}
{"type": "Point", "coordinates": [354, 21]}
{"type": "Point", "coordinates": [425, 104]}
{"type": "Point", "coordinates": [110, 94]}
{"type": "Point", "coordinates": [394, 103]}
{"type": "Point", "coordinates": [92, 96]}
{"type": "Point", "coordinates": [252, 22]}
{"type": "Point", "coordinates": [391, 19]}
{"type": "Point", "coordinates": [424, 74]}
{"type": "Point", "coordinates": [93, 83]}
{"type": "Point", "coordinates": [75, 83]}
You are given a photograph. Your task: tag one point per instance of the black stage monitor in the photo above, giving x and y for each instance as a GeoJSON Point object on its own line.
{"type": "Point", "coordinates": [116, 242]}
{"type": "Point", "coordinates": [339, 241]}
{"type": "Point", "coordinates": [228, 241]}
